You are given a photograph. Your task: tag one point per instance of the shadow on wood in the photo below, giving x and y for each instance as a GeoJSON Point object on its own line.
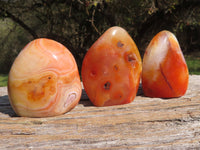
{"type": "Point", "coordinates": [5, 106]}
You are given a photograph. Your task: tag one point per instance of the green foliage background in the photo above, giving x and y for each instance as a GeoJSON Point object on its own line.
{"type": "Point", "coordinates": [78, 23]}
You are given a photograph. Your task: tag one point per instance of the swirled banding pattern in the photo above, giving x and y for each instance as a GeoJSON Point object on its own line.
{"type": "Point", "coordinates": [44, 80]}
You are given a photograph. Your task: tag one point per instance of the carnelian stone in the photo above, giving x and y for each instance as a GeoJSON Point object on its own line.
{"type": "Point", "coordinates": [44, 80]}
{"type": "Point", "coordinates": [111, 69]}
{"type": "Point", "coordinates": [165, 73]}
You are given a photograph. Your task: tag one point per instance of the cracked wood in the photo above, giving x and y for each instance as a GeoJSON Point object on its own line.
{"type": "Point", "coordinates": [151, 123]}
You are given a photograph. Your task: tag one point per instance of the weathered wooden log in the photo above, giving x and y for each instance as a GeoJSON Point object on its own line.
{"type": "Point", "coordinates": [146, 123]}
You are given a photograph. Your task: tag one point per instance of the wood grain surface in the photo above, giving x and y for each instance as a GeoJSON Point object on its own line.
{"type": "Point", "coordinates": [146, 123]}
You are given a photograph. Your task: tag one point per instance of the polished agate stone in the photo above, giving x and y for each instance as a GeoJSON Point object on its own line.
{"type": "Point", "coordinates": [164, 73]}
{"type": "Point", "coordinates": [111, 69]}
{"type": "Point", "coordinates": [44, 80]}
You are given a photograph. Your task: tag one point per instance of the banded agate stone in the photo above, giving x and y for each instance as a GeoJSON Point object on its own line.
{"type": "Point", "coordinates": [44, 80]}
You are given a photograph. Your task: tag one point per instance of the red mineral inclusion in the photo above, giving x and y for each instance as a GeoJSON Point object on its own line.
{"type": "Point", "coordinates": [165, 73]}
{"type": "Point", "coordinates": [111, 69]}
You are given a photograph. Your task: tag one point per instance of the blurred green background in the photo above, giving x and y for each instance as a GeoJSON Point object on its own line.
{"type": "Point", "coordinates": [79, 23]}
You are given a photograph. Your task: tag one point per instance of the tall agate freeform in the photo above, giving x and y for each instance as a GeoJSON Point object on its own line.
{"type": "Point", "coordinates": [112, 68]}
{"type": "Point", "coordinates": [44, 80]}
{"type": "Point", "coordinates": [165, 73]}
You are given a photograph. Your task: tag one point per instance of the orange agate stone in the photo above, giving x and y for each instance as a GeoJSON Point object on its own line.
{"type": "Point", "coordinates": [111, 69]}
{"type": "Point", "coordinates": [44, 80]}
{"type": "Point", "coordinates": [165, 73]}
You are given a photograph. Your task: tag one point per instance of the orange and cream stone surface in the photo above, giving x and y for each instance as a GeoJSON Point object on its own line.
{"type": "Point", "coordinates": [111, 69]}
{"type": "Point", "coordinates": [44, 80]}
{"type": "Point", "coordinates": [164, 70]}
